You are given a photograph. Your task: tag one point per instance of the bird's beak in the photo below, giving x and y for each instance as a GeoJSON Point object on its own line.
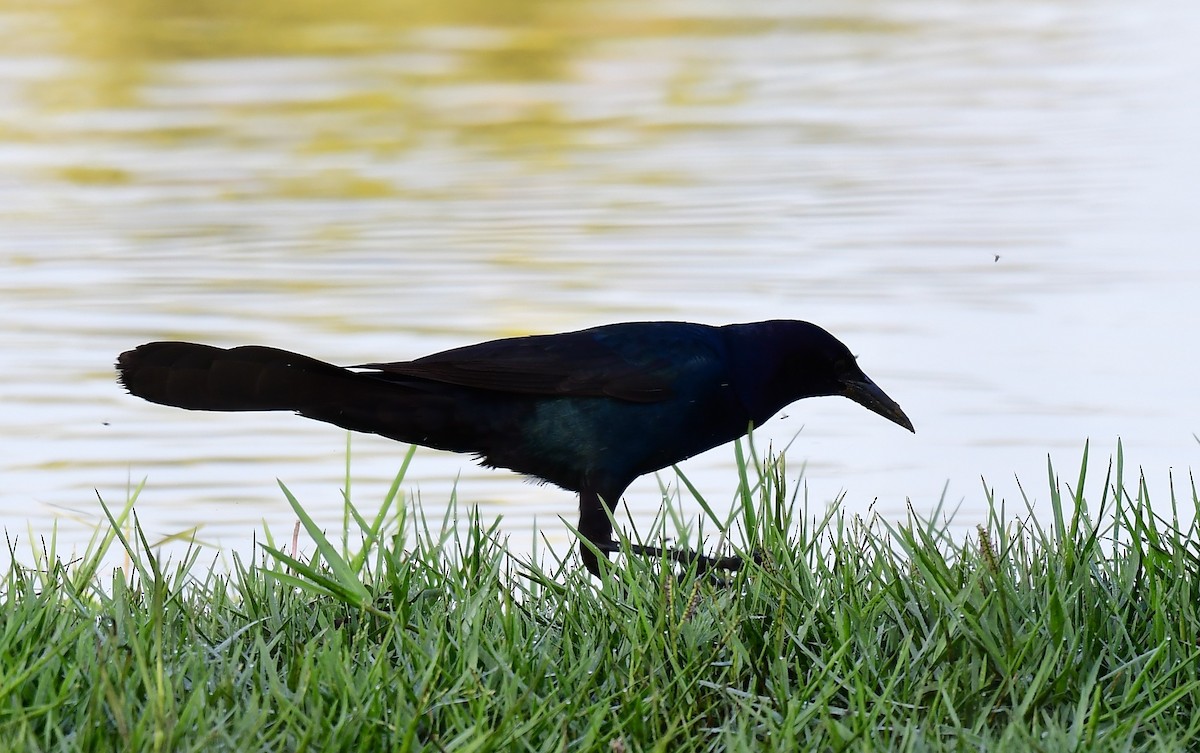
{"type": "Point", "coordinates": [867, 394]}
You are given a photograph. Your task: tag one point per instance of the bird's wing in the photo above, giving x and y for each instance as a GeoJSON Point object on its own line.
{"type": "Point", "coordinates": [637, 365]}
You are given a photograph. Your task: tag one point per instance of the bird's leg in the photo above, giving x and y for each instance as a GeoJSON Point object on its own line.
{"type": "Point", "coordinates": [595, 526]}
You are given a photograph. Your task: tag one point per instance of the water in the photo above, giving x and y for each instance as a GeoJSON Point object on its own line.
{"type": "Point", "coordinates": [991, 203]}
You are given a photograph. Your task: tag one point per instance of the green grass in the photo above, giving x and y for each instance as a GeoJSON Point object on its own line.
{"type": "Point", "coordinates": [1079, 632]}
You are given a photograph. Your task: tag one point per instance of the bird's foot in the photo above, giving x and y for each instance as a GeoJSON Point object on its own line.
{"type": "Point", "coordinates": [685, 557]}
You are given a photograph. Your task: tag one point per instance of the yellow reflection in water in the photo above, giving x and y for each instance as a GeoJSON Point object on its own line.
{"type": "Point", "coordinates": [197, 29]}
{"type": "Point", "coordinates": [124, 55]}
{"type": "Point", "coordinates": [310, 82]}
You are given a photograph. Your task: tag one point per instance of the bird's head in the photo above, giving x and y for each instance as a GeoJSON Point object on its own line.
{"type": "Point", "coordinates": [803, 360]}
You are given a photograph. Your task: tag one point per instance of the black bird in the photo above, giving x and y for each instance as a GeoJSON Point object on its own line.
{"type": "Point", "coordinates": [588, 411]}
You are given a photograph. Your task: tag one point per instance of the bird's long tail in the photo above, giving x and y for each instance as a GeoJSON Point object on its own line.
{"type": "Point", "coordinates": [258, 378]}
{"type": "Point", "coordinates": [247, 378]}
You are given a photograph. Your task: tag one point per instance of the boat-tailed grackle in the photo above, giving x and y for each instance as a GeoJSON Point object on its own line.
{"type": "Point", "coordinates": [588, 411]}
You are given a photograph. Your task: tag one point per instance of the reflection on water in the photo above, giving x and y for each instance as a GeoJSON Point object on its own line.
{"type": "Point", "coordinates": [983, 201]}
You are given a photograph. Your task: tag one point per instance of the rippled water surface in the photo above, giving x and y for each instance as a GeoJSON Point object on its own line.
{"type": "Point", "coordinates": [993, 204]}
